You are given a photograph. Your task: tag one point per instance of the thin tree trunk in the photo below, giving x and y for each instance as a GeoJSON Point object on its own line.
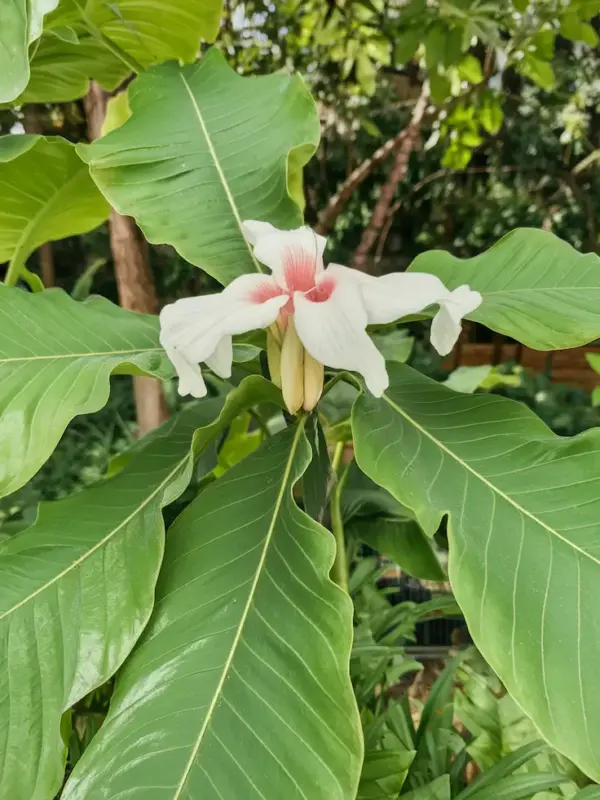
{"type": "Point", "coordinates": [47, 265]}
{"type": "Point", "coordinates": [33, 123]}
{"type": "Point", "coordinates": [135, 283]}
{"type": "Point", "coordinates": [398, 172]}
{"type": "Point", "coordinates": [337, 203]}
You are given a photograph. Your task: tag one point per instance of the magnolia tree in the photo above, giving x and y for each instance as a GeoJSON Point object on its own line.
{"type": "Point", "coordinates": [228, 637]}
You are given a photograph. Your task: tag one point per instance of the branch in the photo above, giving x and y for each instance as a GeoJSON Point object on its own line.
{"type": "Point", "coordinates": [337, 203]}
{"type": "Point", "coordinates": [441, 173]}
{"type": "Point", "coordinates": [386, 196]}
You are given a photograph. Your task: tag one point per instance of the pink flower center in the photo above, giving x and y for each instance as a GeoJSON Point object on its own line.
{"type": "Point", "coordinates": [300, 269]}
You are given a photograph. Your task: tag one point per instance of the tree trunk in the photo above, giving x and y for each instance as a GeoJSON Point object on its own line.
{"type": "Point", "coordinates": [386, 196]}
{"type": "Point", "coordinates": [33, 122]}
{"type": "Point", "coordinates": [135, 283]}
{"type": "Point", "coordinates": [47, 265]}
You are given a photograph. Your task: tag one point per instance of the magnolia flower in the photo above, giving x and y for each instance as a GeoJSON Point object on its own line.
{"type": "Point", "coordinates": [315, 317]}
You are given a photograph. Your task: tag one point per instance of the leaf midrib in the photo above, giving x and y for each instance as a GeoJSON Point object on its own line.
{"type": "Point", "coordinates": [484, 480]}
{"type": "Point", "coordinates": [99, 544]}
{"type": "Point", "coordinates": [245, 612]}
{"type": "Point", "coordinates": [81, 355]}
{"type": "Point", "coordinates": [219, 168]}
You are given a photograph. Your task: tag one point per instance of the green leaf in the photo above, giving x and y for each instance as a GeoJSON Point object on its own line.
{"type": "Point", "coordinates": [440, 87]}
{"type": "Point", "coordinates": [438, 789]}
{"type": "Point", "coordinates": [489, 778]}
{"type": "Point", "coordinates": [443, 46]}
{"type": "Point", "coordinates": [130, 30]}
{"type": "Point", "coordinates": [520, 5]}
{"type": "Point", "coordinates": [572, 27]}
{"type": "Point", "coordinates": [117, 112]}
{"type": "Point", "coordinates": [403, 542]}
{"type": "Point", "coordinates": [220, 145]}
{"type": "Point", "coordinates": [22, 22]}
{"type": "Point", "coordinates": [366, 73]}
{"type": "Point", "coordinates": [77, 590]}
{"type": "Point", "coordinates": [540, 72]}
{"type": "Point", "coordinates": [467, 379]}
{"type": "Point", "coordinates": [593, 360]}
{"type": "Point", "coordinates": [60, 71]}
{"type": "Point", "coordinates": [589, 793]}
{"type": "Point", "coordinates": [406, 45]}
{"type": "Point", "coordinates": [65, 34]}
{"type": "Point", "coordinates": [47, 194]}
{"type": "Point", "coordinates": [544, 42]}
{"type": "Point", "coordinates": [535, 287]}
{"type": "Point", "coordinates": [490, 113]}
{"type": "Point", "coordinates": [239, 687]}
{"type": "Point", "coordinates": [383, 773]}
{"type": "Point", "coordinates": [315, 481]}
{"type": "Point", "coordinates": [56, 358]}
{"type": "Point", "coordinates": [470, 69]}
{"type": "Point", "coordinates": [523, 509]}
{"type": "Point", "coordinates": [394, 345]}
{"type": "Point", "coordinates": [519, 787]}
{"type": "Point", "coordinates": [159, 32]}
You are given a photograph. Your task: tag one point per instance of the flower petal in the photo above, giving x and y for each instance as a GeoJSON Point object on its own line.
{"type": "Point", "coordinates": [332, 329]}
{"type": "Point", "coordinates": [294, 257]}
{"type": "Point", "coordinates": [190, 377]}
{"type": "Point", "coordinates": [199, 329]}
{"type": "Point", "coordinates": [252, 229]}
{"type": "Point", "coordinates": [399, 294]}
{"type": "Point", "coordinates": [222, 359]}
{"type": "Point", "coordinates": [446, 325]}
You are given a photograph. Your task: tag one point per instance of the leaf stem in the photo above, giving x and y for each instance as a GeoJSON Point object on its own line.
{"type": "Point", "coordinates": [13, 273]}
{"type": "Point", "coordinates": [339, 569]}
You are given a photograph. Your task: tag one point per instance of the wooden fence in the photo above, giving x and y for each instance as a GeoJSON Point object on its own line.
{"type": "Point", "coordinates": [563, 366]}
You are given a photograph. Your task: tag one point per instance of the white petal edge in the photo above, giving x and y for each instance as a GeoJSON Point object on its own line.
{"type": "Point", "coordinates": [199, 329]}
{"type": "Point", "coordinates": [393, 296]}
{"type": "Point", "coordinates": [190, 377]}
{"type": "Point", "coordinates": [447, 323]}
{"type": "Point", "coordinates": [252, 229]}
{"type": "Point", "coordinates": [221, 360]}
{"type": "Point", "coordinates": [334, 334]}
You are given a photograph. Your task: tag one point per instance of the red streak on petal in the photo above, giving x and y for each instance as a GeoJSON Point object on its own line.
{"type": "Point", "coordinates": [299, 269]}
{"type": "Point", "coordinates": [265, 291]}
{"type": "Point", "coordinates": [322, 291]}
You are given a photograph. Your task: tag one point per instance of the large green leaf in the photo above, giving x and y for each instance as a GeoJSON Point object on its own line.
{"type": "Point", "coordinates": [219, 146]}
{"type": "Point", "coordinates": [60, 71]}
{"type": "Point", "coordinates": [56, 359]}
{"type": "Point", "coordinates": [22, 22]}
{"type": "Point", "coordinates": [77, 588]}
{"type": "Point", "coordinates": [107, 40]}
{"type": "Point", "coordinates": [536, 288]}
{"type": "Point", "coordinates": [403, 541]}
{"type": "Point", "coordinates": [239, 687]}
{"type": "Point", "coordinates": [523, 508]}
{"type": "Point", "coordinates": [46, 194]}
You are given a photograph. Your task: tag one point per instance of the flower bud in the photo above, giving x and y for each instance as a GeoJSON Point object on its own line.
{"type": "Point", "coordinates": [292, 368]}
{"type": "Point", "coordinates": [274, 354]}
{"type": "Point", "coordinates": [314, 373]}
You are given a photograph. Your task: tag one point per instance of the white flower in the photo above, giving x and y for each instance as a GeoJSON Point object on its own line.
{"type": "Point", "coordinates": [316, 317]}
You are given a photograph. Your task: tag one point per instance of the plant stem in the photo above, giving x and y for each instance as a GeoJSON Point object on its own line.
{"type": "Point", "coordinates": [339, 569]}
{"type": "Point", "coordinates": [13, 273]}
